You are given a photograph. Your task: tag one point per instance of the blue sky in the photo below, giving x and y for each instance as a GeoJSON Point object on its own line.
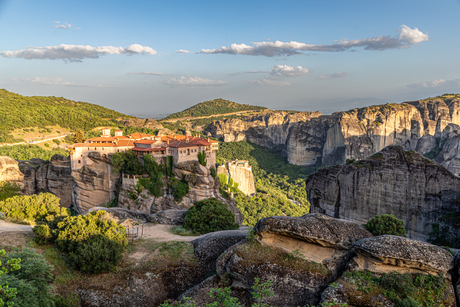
{"type": "Point", "coordinates": [154, 57]}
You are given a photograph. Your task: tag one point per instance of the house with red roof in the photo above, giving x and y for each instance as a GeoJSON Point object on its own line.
{"type": "Point", "coordinates": [180, 147]}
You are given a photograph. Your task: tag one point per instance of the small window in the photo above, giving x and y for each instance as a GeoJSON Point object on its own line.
{"type": "Point", "coordinates": [79, 161]}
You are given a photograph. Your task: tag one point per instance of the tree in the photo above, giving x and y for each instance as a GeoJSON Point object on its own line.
{"type": "Point", "coordinates": [385, 224]}
{"type": "Point", "coordinates": [209, 215]}
{"type": "Point", "coordinates": [79, 137]}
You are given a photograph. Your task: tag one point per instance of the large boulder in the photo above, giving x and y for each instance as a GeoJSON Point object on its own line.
{"type": "Point", "coordinates": [168, 217]}
{"type": "Point", "coordinates": [119, 213]}
{"type": "Point", "coordinates": [402, 183]}
{"type": "Point", "coordinates": [9, 170]}
{"type": "Point", "coordinates": [386, 253]}
{"type": "Point", "coordinates": [210, 246]}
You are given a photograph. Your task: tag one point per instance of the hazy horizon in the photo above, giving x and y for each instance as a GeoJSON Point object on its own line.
{"type": "Point", "coordinates": [156, 57]}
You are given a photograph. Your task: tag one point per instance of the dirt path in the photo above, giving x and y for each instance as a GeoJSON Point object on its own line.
{"type": "Point", "coordinates": [161, 233]}
{"type": "Point", "coordinates": [7, 226]}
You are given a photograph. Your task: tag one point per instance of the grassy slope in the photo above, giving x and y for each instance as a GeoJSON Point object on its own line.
{"type": "Point", "coordinates": [212, 107]}
{"type": "Point", "coordinates": [17, 111]}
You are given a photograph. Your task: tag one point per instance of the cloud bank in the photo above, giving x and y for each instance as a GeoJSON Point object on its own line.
{"type": "Point", "coordinates": [405, 39]}
{"type": "Point", "coordinates": [75, 53]}
{"type": "Point", "coordinates": [192, 82]}
{"type": "Point", "coordinates": [57, 81]}
{"type": "Point", "coordinates": [183, 51]}
{"type": "Point", "coordinates": [147, 73]}
{"type": "Point", "coordinates": [433, 83]}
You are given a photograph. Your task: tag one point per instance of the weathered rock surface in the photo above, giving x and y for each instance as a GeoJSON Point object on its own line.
{"type": "Point", "coordinates": [95, 184]}
{"type": "Point", "coordinates": [405, 184]}
{"type": "Point", "coordinates": [9, 170]}
{"type": "Point", "coordinates": [119, 213]}
{"type": "Point", "coordinates": [36, 176]}
{"type": "Point", "coordinates": [142, 123]}
{"type": "Point", "coordinates": [209, 247]}
{"type": "Point", "coordinates": [381, 254]}
{"type": "Point", "coordinates": [168, 217]}
{"type": "Point", "coordinates": [241, 173]}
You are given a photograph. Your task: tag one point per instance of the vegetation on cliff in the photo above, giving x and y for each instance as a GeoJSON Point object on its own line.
{"type": "Point", "coordinates": [17, 111]}
{"type": "Point", "coordinates": [212, 107]}
{"type": "Point", "coordinates": [27, 152]}
{"type": "Point", "coordinates": [280, 186]}
{"type": "Point", "coordinates": [385, 224]}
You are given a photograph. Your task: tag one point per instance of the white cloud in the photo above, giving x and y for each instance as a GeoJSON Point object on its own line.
{"type": "Point", "coordinates": [269, 82]}
{"type": "Point", "coordinates": [249, 72]}
{"type": "Point", "coordinates": [407, 36]}
{"type": "Point", "coordinates": [335, 75]}
{"type": "Point", "coordinates": [147, 73]}
{"type": "Point", "coordinates": [75, 53]}
{"type": "Point", "coordinates": [193, 82]}
{"type": "Point", "coordinates": [57, 81]}
{"type": "Point", "coordinates": [183, 51]}
{"type": "Point", "coordinates": [412, 36]}
{"type": "Point", "coordinates": [288, 71]}
{"type": "Point", "coordinates": [433, 83]}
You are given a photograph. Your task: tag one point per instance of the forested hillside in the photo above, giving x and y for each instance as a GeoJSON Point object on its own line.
{"type": "Point", "coordinates": [17, 111]}
{"type": "Point", "coordinates": [278, 183]}
{"type": "Point", "coordinates": [213, 107]}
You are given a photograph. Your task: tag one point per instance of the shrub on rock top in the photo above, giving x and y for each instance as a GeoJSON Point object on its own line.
{"type": "Point", "coordinates": [209, 215]}
{"type": "Point", "coordinates": [385, 224]}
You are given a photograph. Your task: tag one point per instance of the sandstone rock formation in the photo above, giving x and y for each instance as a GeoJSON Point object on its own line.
{"type": "Point", "coordinates": [9, 170]}
{"type": "Point", "coordinates": [405, 184]}
{"type": "Point", "coordinates": [168, 217]}
{"type": "Point", "coordinates": [241, 173]}
{"type": "Point", "coordinates": [94, 184]}
{"type": "Point", "coordinates": [312, 139]}
{"type": "Point", "coordinates": [36, 176]}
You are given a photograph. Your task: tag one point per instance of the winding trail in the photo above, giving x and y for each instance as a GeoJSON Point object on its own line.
{"type": "Point", "coordinates": [7, 226]}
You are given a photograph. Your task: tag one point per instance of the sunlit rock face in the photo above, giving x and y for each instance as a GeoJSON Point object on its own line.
{"type": "Point", "coordinates": [310, 139]}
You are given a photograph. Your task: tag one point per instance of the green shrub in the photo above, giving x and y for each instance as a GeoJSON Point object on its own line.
{"type": "Point", "coordinates": [386, 224]}
{"type": "Point", "coordinates": [32, 281]}
{"type": "Point", "coordinates": [7, 293]}
{"type": "Point", "coordinates": [97, 254]}
{"type": "Point", "coordinates": [408, 302]}
{"type": "Point", "coordinates": [127, 162]}
{"type": "Point", "coordinates": [209, 215]}
{"type": "Point", "coordinates": [42, 234]}
{"type": "Point", "coordinates": [179, 189]}
{"type": "Point", "coordinates": [57, 142]}
{"type": "Point", "coordinates": [75, 229]}
{"type": "Point", "coordinates": [47, 145]}
{"type": "Point", "coordinates": [35, 208]}
{"type": "Point", "coordinates": [69, 300]}
{"type": "Point", "coordinates": [213, 172]}
{"type": "Point", "coordinates": [202, 158]}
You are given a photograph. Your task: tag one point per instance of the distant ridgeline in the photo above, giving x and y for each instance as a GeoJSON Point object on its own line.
{"type": "Point", "coordinates": [213, 107]}
{"type": "Point", "coordinates": [17, 111]}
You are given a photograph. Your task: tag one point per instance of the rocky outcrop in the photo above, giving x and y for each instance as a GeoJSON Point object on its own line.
{"type": "Point", "coordinates": [241, 173]}
{"type": "Point", "coordinates": [268, 128]}
{"type": "Point", "coordinates": [312, 139]}
{"type": "Point", "coordinates": [37, 176]}
{"type": "Point", "coordinates": [403, 263]}
{"type": "Point", "coordinates": [201, 186]}
{"type": "Point", "coordinates": [405, 184]}
{"type": "Point", "coordinates": [168, 217]}
{"type": "Point", "coordinates": [95, 184]}
{"type": "Point", "coordinates": [119, 213]}
{"type": "Point", "coordinates": [9, 170]}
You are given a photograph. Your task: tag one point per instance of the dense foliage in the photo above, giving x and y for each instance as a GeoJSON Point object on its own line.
{"type": "Point", "coordinates": [404, 290]}
{"type": "Point", "coordinates": [7, 293]}
{"type": "Point", "coordinates": [156, 172]}
{"type": "Point", "coordinates": [202, 158]}
{"type": "Point", "coordinates": [18, 111]}
{"type": "Point", "coordinates": [92, 243]}
{"type": "Point", "coordinates": [127, 162]}
{"type": "Point", "coordinates": [31, 209]}
{"type": "Point", "coordinates": [209, 215]}
{"type": "Point", "coordinates": [8, 189]}
{"type": "Point", "coordinates": [211, 107]}
{"type": "Point", "coordinates": [179, 188]}
{"type": "Point", "coordinates": [280, 186]}
{"type": "Point", "coordinates": [385, 224]}
{"type": "Point", "coordinates": [32, 280]}
{"type": "Point", "coordinates": [27, 152]}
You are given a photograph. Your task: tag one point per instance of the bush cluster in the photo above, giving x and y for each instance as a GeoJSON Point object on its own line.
{"type": "Point", "coordinates": [209, 215]}
{"type": "Point", "coordinates": [385, 224]}
{"type": "Point", "coordinates": [43, 207]}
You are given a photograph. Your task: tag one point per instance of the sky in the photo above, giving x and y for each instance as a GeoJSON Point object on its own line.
{"type": "Point", "coordinates": [158, 57]}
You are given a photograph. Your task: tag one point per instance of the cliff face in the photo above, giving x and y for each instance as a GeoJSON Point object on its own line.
{"type": "Point", "coordinates": [94, 184]}
{"type": "Point", "coordinates": [405, 184]}
{"type": "Point", "coordinates": [268, 129]}
{"type": "Point", "coordinates": [310, 139]}
{"type": "Point", "coordinates": [241, 173]}
{"type": "Point", "coordinates": [9, 170]}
